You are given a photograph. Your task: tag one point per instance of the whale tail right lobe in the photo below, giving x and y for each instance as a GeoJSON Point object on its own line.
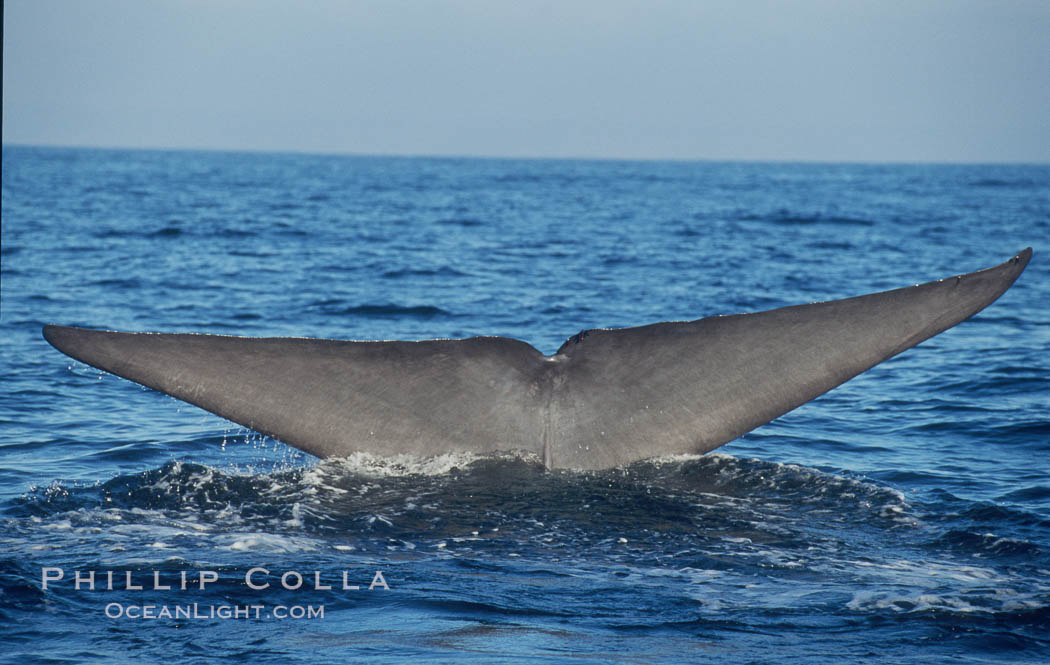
{"type": "Point", "coordinates": [690, 387]}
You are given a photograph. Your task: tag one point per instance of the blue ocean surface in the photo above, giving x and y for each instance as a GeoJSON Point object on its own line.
{"type": "Point", "coordinates": [904, 517]}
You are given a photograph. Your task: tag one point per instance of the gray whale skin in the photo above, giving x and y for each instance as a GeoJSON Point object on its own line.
{"type": "Point", "coordinates": [606, 398]}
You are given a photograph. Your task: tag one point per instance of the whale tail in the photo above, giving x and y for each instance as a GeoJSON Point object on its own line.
{"type": "Point", "coordinates": [606, 398]}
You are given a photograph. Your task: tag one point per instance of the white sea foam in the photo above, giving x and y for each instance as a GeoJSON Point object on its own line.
{"type": "Point", "coordinates": [366, 464]}
{"type": "Point", "coordinates": [682, 458]}
{"type": "Point", "coordinates": [267, 542]}
{"type": "Point", "coordinates": [875, 600]}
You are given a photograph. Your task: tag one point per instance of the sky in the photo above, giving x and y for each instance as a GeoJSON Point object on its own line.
{"type": "Point", "coordinates": [819, 80]}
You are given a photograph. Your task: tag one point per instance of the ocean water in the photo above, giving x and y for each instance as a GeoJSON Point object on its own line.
{"type": "Point", "coordinates": [902, 518]}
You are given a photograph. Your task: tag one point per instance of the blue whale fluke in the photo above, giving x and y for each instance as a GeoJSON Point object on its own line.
{"type": "Point", "coordinates": [606, 398]}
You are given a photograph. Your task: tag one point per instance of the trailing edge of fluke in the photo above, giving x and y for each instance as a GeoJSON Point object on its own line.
{"type": "Point", "coordinates": [606, 398]}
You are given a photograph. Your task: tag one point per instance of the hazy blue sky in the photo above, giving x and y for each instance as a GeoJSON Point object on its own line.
{"type": "Point", "coordinates": [881, 80]}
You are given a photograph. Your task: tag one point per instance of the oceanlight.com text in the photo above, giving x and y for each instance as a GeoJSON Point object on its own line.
{"type": "Point", "coordinates": [192, 611]}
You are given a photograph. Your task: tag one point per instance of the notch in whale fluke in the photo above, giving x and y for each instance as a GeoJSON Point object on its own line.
{"type": "Point", "coordinates": [609, 397]}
